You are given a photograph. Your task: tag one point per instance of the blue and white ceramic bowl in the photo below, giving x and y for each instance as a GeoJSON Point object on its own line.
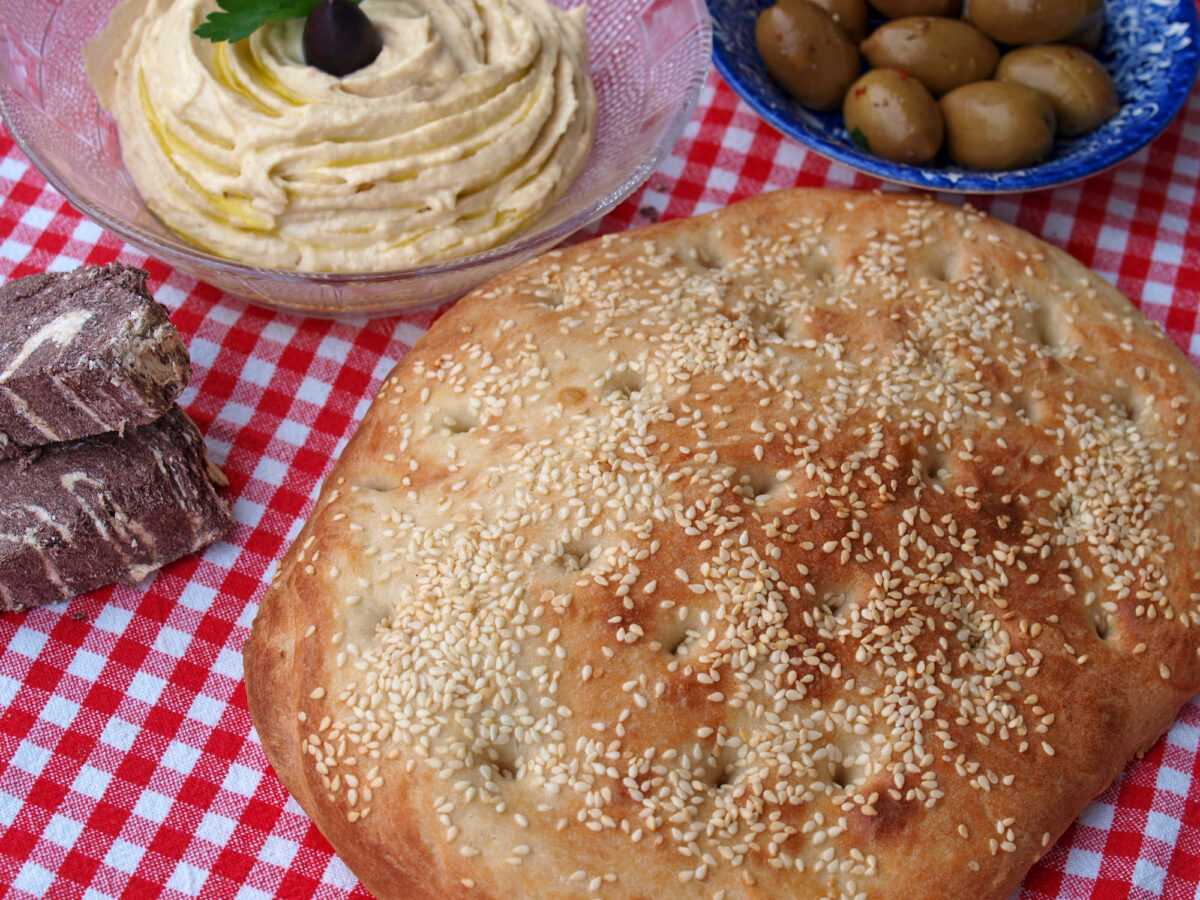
{"type": "Point", "coordinates": [1151, 48]}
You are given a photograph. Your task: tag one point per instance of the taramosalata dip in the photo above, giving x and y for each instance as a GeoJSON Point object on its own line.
{"type": "Point", "coordinates": [474, 118]}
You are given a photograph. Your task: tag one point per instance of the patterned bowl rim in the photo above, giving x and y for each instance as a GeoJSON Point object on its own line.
{"type": "Point", "coordinates": [1185, 64]}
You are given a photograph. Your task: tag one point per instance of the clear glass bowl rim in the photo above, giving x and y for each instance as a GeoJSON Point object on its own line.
{"type": "Point", "coordinates": [527, 242]}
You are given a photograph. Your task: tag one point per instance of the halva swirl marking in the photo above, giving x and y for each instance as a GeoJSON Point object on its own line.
{"type": "Point", "coordinates": [112, 507]}
{"type": "Point", "coordinates": [473, 120]}
{"type": "Point", "coordinates": [61, 330]}
{"type": "Point", "coordinates": [82, 353]}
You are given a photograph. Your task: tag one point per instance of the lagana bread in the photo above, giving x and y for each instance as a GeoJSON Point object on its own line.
{"type": "Point", "coordinates": [829, 545]}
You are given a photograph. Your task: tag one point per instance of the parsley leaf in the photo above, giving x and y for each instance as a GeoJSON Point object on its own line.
{"type": "Point", "coordinates": [238, 19]}
{"type": "Point", "coordinates": [860, 140]}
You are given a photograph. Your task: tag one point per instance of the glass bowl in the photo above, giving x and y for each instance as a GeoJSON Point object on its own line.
{"type": "Point", "coordinates": [649, 60]}
{"type": "Point", "coordinates": [1150, 47]}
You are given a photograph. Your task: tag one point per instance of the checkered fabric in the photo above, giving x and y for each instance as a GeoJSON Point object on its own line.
{"type": "Point", "coordinates": [128, 764]}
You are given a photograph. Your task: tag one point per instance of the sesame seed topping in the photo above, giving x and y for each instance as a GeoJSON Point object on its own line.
{"type": "Point", "coordinates": [747, 566]}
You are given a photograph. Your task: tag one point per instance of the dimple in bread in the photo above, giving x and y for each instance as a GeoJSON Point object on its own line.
{"type": "Point", "coordinates": [830, 545]}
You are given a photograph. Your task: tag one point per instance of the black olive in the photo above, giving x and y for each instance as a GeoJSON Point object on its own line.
{"type": "Point", "coordinates": [339, 38]}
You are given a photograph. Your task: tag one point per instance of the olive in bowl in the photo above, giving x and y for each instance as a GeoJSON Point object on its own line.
{"type": "Point", "coordinates": [1035, 21]}
{"type": "Point", "coordinates": [898, 9]}
{"type": "Point", "coordinates": [997, 125]}
{"type": "Point", "coordinates": [892, 115]}
{"type": "Point", "coordinates": [852, 15]}
{"type": "Point", "coordinates": [942, 53]}
{"type": "Point", "coordinates": [1090, 35]}
{"type": "Point", "coordinates": [807, 52]}
{"type": "Point", "coordinates": [1080, 89]}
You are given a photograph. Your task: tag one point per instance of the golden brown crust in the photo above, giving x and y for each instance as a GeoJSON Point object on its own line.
{"type": "Point", "coordinates": [831, 545]}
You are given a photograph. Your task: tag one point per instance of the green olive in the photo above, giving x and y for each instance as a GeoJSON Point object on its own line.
{"type": "Point", "coordinates": [942, 53]}
{"type": "Point", "coordinates": [1089, 36]}
{"type": "Point", "coordinates": [1034, 21]}
{"type": "Point", "coordinates": [996, 125]}
{"type": "Point", "coordinates": [807, 52]}
{"type": "Point", "coordinates": [1081, 91]}
{"type": "Point", "coordinates": [850, 14]}
{"type": "Point", "coordinates": [890, 114]}
{"type": "Point", "coordinates": [898, 9]}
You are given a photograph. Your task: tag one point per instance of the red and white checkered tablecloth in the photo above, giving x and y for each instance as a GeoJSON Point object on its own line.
{"type": "Point", "coordinates": [128, 764]}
